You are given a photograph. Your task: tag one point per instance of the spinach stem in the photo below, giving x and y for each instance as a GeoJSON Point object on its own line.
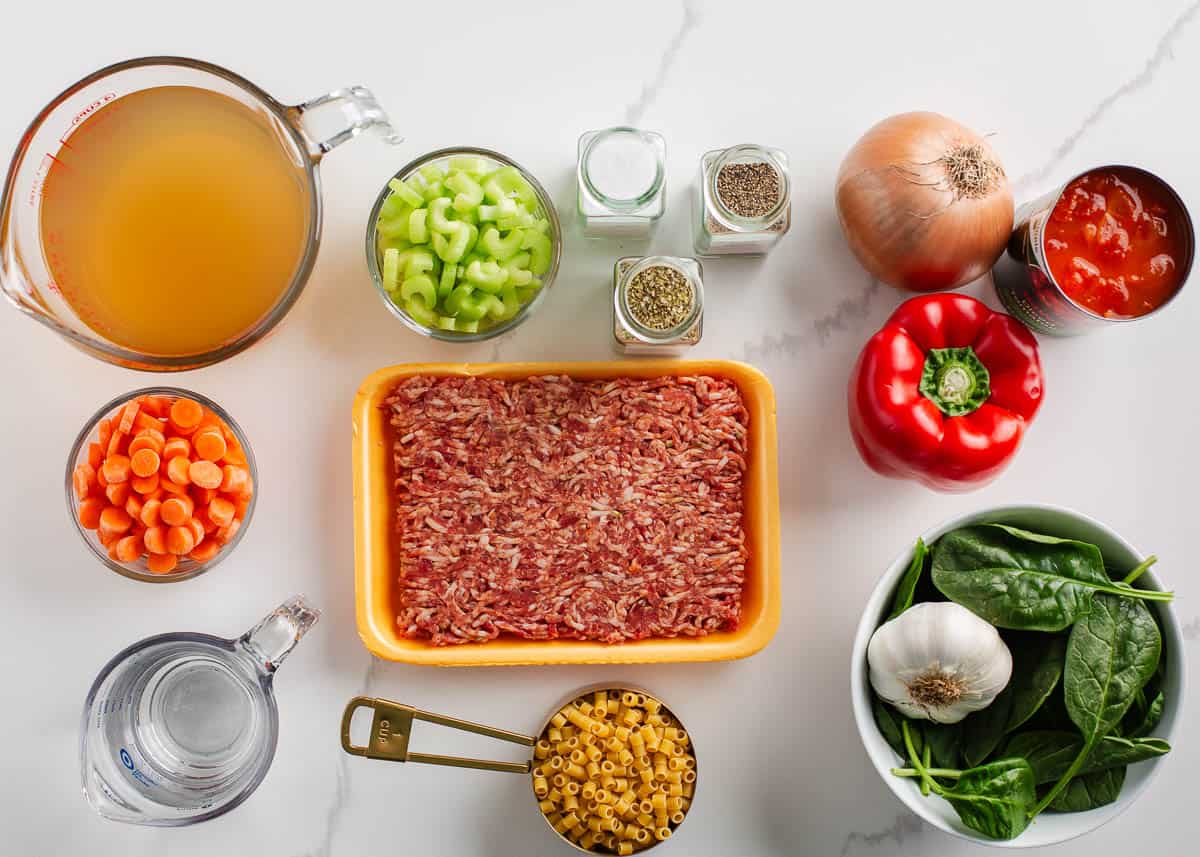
{"type": "Point", "coordinates": [1063, 781]}
{"type": "Point", "coordinates": [915, 760]}
{"type": "Point", "coordinates": [943, 773]}
{"type": "Point", "coordinates": [1137, 571]}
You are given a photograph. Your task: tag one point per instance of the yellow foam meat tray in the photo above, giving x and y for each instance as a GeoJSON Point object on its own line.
{"type": "Point", "coordinates": [376, 567]}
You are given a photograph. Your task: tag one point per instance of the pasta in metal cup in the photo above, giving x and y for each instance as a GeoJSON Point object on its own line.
{"type": "Point", "coordinates": [612, 769]}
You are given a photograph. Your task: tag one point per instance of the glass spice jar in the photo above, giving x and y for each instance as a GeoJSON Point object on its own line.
{"type": "Point", "coordinates": [743, 200]}
{"type": "Point", "coordinates": [621, 174]}
{"type": "Point", "coordinates": [658, 304]}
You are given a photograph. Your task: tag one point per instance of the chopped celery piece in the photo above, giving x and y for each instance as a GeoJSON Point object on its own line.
{"type": "Point", "coordinates": [471, 216]}
{"type": "Point", "coordinates": [473, 306]}
{"type": "Point", "coordinates": [420, 286]}
{"type": "Point", "coordinates": [519, 277]}
{"type": "Point", "coordinates": [454, 302]}
{"type": "Point", "coordinates": [446, 283]}
{"type": "Point", "coordinates": [406, 192]}
{"type": "Point", "coordinates": [502, 249]}
{"type": "Point", "coordinates": [433, 191]}
{"type": "Point", "coordinates": [446, 322]}
{"type": "Point", "coordinates": [542, 226]}
{"type": "Point", "coordinates": [419, 262]}
{"type": "Point", "coordinates": [393, 206]}
{"type": "Point", "coordinates": [506, 305]}
{"type": "Point", "coordinates": [437, 217]}
{"type": "Point", "coordinates": [508, 182]}
{"type": "Point", "coordinates": [432, 173]}
{"type": "Point", "coordinates": [464, 326]}
{"type": "Point", "coordinates": [471, 166]}
{"type": "Point", "coordinates": [472, 238]}
{"type": "Point", "coordinates": [468, 193]}
{"type": "Point", "coordinates": [453, 248]}
{"type": "Point", "coordinates": [393, 227]}
{"type": "Point", "coordinates": [540, 250]}
{"type": "Point", "coordinates": [486, 275]}
{"type": "Point", "coordinates": [520, 220]}
{"type": "Point", "coordinates": [418, 233]}
{"type": "Point", "coordinates": [393, 244]}
{"type": "Point", "coordinates": [391, 268]}
{"type": "Point", "coordinates": [419, 312]}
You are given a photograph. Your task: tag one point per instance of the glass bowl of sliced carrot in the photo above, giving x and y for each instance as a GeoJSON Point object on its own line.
{"type": "Point", "coordinates": [160, 484]}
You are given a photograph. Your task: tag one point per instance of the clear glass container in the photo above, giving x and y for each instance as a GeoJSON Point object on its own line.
{"type": "Point", "coordinates": [138, 569]}
{"type": "Point", "coordinates": [622, 179]}
{"type": "Point", "coordinates": [632, 336]}
{"type": "Point", "coordinates": [721, 230]}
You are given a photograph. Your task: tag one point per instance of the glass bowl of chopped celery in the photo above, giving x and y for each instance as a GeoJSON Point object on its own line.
{"type": "Point", "coordinates": [463, 244]}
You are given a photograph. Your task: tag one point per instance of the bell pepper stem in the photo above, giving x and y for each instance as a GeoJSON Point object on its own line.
{"type": "Point", "coordinates": [955, 380]}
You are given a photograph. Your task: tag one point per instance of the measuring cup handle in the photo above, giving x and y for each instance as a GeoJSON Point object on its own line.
{"type": "Point", "coordinates": [269, 642]}
{"type": "Point", "coordinates": [359, 112]}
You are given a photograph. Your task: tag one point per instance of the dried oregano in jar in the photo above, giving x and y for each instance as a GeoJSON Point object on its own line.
{"type": "Point", "coordinates": [658, 303]}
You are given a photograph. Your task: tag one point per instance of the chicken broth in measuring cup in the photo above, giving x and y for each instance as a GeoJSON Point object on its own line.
{"type": "Point", "coordinates": [174, 219]}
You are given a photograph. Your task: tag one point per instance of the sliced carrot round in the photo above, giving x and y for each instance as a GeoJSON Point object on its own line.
{"type": "Point", "coordinates": [145, 484]}
{"type": "Point", "coordinates": [205, 551]}
{"type": "Point", "coordinates": [118, 493]}
{"type": "Point", "coordinates": [150, 512]}
{"type": "Point", "coordinates": [206, 474]}
{"type": "Point", "coordinates": [155, 539]}
{"type": "Point", "coordinates": [134, 507]}
{"type": "Point", "coordinates": [115, 520]}
{"type": "Point", "coordinates": [169, 487]}
{"type": "Point", "coordinates": [233, 478]}
{"type": "Point", "coordinates": [197, 529]}
{"type": "Point", "coordinates": [129, 549]}
{"type": "Point", "coordinates": [161, 563]}
{"type": "Point", "coordinates": [95, 455]}
{"type": "Point", "coordinates": [226, 533]}
{"type": "Point", "coordinates": [176, 446]}
{"type": "Point", "coordinates": [221, 511]}
{"type": "Point", "coordinates": [186, 413]}
{"type": "Point", "coordinates": [144, 463]}
{"type": "Point", "coordinates": [180, 540]}
{"type": "Point", "coordinates": [148, 439]}
{"type": "Point", "coordinates": [177, 470]}
{"type": "Point", "coordinates": [84, 480]}
{"type": "Point", "coordinates": [89, 512]}
{"type": "Point", "coordinates": [116, 469]}
{"type": "Point", "coordinates": [176, 510]}
{"type": "Point", "coordinates": [105, 430]}
{"type": "Point", "coordinates": [209, 444]}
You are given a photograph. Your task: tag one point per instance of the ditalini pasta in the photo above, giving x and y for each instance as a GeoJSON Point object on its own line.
{"type": "Point", "coordinates": [614, 772]}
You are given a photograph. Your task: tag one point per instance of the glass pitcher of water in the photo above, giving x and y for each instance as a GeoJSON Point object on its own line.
{"type": "Point", "coordinates": [180, 728]}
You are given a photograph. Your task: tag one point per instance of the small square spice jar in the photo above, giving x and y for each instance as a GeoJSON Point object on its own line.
{"type": "Point", "coordinates": [658, 304]}
{"type": "Point", "coordinates": [743, 201]}
{"type": "Point", "coordinates": [621, 177]}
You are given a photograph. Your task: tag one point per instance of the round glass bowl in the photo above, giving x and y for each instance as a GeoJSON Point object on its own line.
{"type": "Point", "coordinates": [375, 255]}
{"type": "Point", "coordinates": [138, 570]}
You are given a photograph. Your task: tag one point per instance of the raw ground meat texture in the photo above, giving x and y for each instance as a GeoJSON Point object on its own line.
{"type": "Point", "coordinates": [552, 508]}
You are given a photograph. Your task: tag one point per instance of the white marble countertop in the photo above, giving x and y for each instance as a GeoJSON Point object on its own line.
{"type": "Point", "coordinates": [1061, 88]}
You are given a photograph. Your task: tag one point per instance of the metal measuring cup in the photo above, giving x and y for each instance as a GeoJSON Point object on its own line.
{"type": "Point", "coordinates": [391, 730]}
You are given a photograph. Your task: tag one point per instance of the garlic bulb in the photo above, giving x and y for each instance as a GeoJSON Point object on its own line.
{"type": "Point", "coordinates": [938, 661]}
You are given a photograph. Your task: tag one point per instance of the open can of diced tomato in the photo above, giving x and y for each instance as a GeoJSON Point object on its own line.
{"type": "Point", "coordinates": [1113, 244]}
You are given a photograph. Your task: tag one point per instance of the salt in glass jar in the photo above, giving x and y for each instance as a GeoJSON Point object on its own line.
{"type": "Point", "coordinates": [621, 175]}
{"type": "Point", "coordinates": [658, 304]}
{"type": "Point", "coordinates": [743, 200]}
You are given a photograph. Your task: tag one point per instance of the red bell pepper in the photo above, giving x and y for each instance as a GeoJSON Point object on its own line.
{"type": "Point", "coordinates": [944, 391]}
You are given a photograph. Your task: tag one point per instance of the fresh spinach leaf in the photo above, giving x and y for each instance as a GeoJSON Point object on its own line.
{"type": "Point", "coordinates": [1050, 754]}
{"type": "Point", "coordinates": [888, 720]}
{"type": "Point", "coordinates": [1022, 580]}
{"type": "Point", "coordinates": [903, 598]}
{"type": "Point", "coordinates": [994, 799]}
{"type": "Point", "coordinates": [1090, 791]}
{"type": "Point", "coordinates": [1111, 653]}
{"type": "Point", "coordinates": [1150, 717]}
{"type": "Point", "coordinates": [944, 741]}
{"type": "Point", "coordinates": [984, 730]}
{"type": "Point", "coordinates": [1037, 669]}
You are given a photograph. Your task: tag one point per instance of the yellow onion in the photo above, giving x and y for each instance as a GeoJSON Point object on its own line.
{"type": "Point", "coordinates": [924, 202]}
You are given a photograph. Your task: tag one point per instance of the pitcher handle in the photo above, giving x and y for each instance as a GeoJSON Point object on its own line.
{"type": "Point", "coordinates": [359, 109]}
{"type": "Point", "coordinates": [269, 642]}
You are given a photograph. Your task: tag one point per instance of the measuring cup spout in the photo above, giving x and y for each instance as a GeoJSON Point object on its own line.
{"type": "Point", "coordinates": [269, 642]}
{"type": "Point", "coordinates": [356, 110]}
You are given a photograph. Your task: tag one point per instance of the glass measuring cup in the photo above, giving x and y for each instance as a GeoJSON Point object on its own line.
{"type": "Point", "coordinates": [180, 728]}
{"type": "Point", "coordinates": [25, 275]}
{"type": "Point", "coordinates": [390, 735]}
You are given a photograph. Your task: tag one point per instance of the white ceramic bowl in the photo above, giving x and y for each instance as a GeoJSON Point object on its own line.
{"type": "Point", "coordinates": [1048, 828]}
